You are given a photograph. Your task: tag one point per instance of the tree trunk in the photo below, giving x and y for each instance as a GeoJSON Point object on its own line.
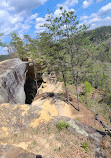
{"type": "Point", "coordinates": [64, 80]}
{"type": "Point", "coordinates": [75, 80]}
{"type": "Point", "coordinates": [77, 92]}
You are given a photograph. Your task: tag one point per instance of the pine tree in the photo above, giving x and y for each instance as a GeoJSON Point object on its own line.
{"type": "Point", "coordinates": [76, 47]}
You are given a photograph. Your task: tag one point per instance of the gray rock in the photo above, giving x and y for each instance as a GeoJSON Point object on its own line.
{"type": "Point", "coordinates": [10, 151]}
{"type": "Point", "coordinates": [12, 79]}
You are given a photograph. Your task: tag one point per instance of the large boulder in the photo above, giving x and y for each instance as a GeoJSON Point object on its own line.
{"type": "Point", "coordinates": [12, 79]}
{"type": "Point", "coordinates": [10, 151]}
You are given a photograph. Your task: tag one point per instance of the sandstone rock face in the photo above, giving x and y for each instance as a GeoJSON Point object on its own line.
{"type": "Point", "coordinates": [10, 151]}
{"type": "Point", "coordinates": [12, 79]}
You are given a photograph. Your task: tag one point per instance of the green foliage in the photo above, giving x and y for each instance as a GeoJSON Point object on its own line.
{"type": "Point", "coordinates": [104, 51]}
{"type": "Point", "coordinates": [4, 57]}
{"type": "Point", "coordinates": [62, 125]}
{"type": "Point", "coordinates": [57, 149]}
{"type": "Point", "coordinates": [18, 46]}
{"type": "Point", "coordinates": [107, 98]}
{"type": "Point", "coordinates": [88, 87]}
{"type": "Point", "coordinates": [1, 42]}
{"type": "Point", "coordinates": [71, 50]}
{"type": "Point", "coordinates": [60, 78]}
{"type": "Point", "coordinates": [85, 146]}
{"type": "Point", "coordinates": [34, 142]}
{"type": "Point", "coordinates": [48, 129]}
{"type": "Point", "coordinates": [70, 82]}
{"type": "Point", "coordinates": [0, 39]}
{"type": "Point", "coordinates": [100, 34]}
{"type": "Point", "coordinates": [98, 75]}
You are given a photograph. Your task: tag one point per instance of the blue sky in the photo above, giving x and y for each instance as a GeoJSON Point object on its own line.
{"type": "Point", "coordinates": [26, 16]}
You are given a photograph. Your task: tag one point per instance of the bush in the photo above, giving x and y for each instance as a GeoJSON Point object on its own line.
{"type": "Point", "coordinates": [62, 125]}
{"type": "Point", "coordinates": [85, 146]}
{"type": "Point", "coordinates": [88, 87]}
{"type": "Point", "coordinates": [107, 98]}
{"type": "Point", "coordinates": [70, 82]}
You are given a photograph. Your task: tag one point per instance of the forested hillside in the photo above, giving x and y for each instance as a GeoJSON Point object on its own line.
{"type": "Point", "coordinates": [100, 34]}
{"type": "Point", "coordinates": [4, 57]}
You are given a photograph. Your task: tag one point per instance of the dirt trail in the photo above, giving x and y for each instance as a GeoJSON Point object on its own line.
{"type": "Point", "coordinates": [57, 107]}
{"type": "Point", "coordinates": [54, 105]}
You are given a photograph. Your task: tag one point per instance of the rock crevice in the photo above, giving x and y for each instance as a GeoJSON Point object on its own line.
{"type": "Point", "coordinates": [19, 81]}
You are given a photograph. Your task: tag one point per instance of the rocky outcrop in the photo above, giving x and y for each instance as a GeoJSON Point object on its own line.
{"type": "Point", "coordinates": [10, 151]}
{"type": "Point", "coordinates": [25, 129]}
{"type": "Point", "coordinates": [12, 79]}
{"type": "Point", "coordinates": [34, 127]}
{"type": "Point", "coordinates": [31, 130]}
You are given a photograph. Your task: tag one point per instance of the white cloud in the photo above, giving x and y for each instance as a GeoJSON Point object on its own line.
{"type": "Point", "coordinates": [16, 22]}
{"type": "Point", "coordinates": [108, 18]}
{"type": "Point", "coordinates": [68, 3]}
{"type": "Point", "coordinates": [4, 5]}
{"type": "Point", "coordinates": [105, 21]}
{"type": "Point", "coordinates": [3, 16]}
{"type": "Point", "coordinates": [28, 5]}
{"type": "Point", "coordinates": [15, 15]}
{"type": "Point", "coordinates": [105, 9]}
{"type": "Point", "coordinates": [84, 17]}
{"type": "Point", "coordinates": [87, 3]}
{"type": "Point", "coordinates": [3, 51]}
{"type": "Point", "coordinates": [58, 12]}
{"type": "Point", "coordinates": [97, 19]}
{"type": "Point", "coordinates": [33, 16]}
{"type": "Point", "coordinates": [39, 22]}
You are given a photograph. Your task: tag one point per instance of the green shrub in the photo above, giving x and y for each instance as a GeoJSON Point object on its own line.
{"type": "Point", "coordinates": [34, 142]}
{"type": "Point", "coordinates": [107, 98]}
{"type": "Point", "coordinates": [62, 125]}
{"type": "Point", "coordinates": [60, 78]}
{"type": "Point", "coordinates": [70, 82]}
{"type": "Point", "coordinates": [85, 146]}
{"type": "Point", "coordinates": [88, 87]}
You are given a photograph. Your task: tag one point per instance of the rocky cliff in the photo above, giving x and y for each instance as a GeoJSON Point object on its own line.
{"type": "Point", "coordinates": [12, 79]}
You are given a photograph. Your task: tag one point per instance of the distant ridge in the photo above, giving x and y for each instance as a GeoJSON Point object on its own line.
{"type": "Point", "coordinates": [5, 57]}
{"type": "Point", "coordinates": [100, 34]}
